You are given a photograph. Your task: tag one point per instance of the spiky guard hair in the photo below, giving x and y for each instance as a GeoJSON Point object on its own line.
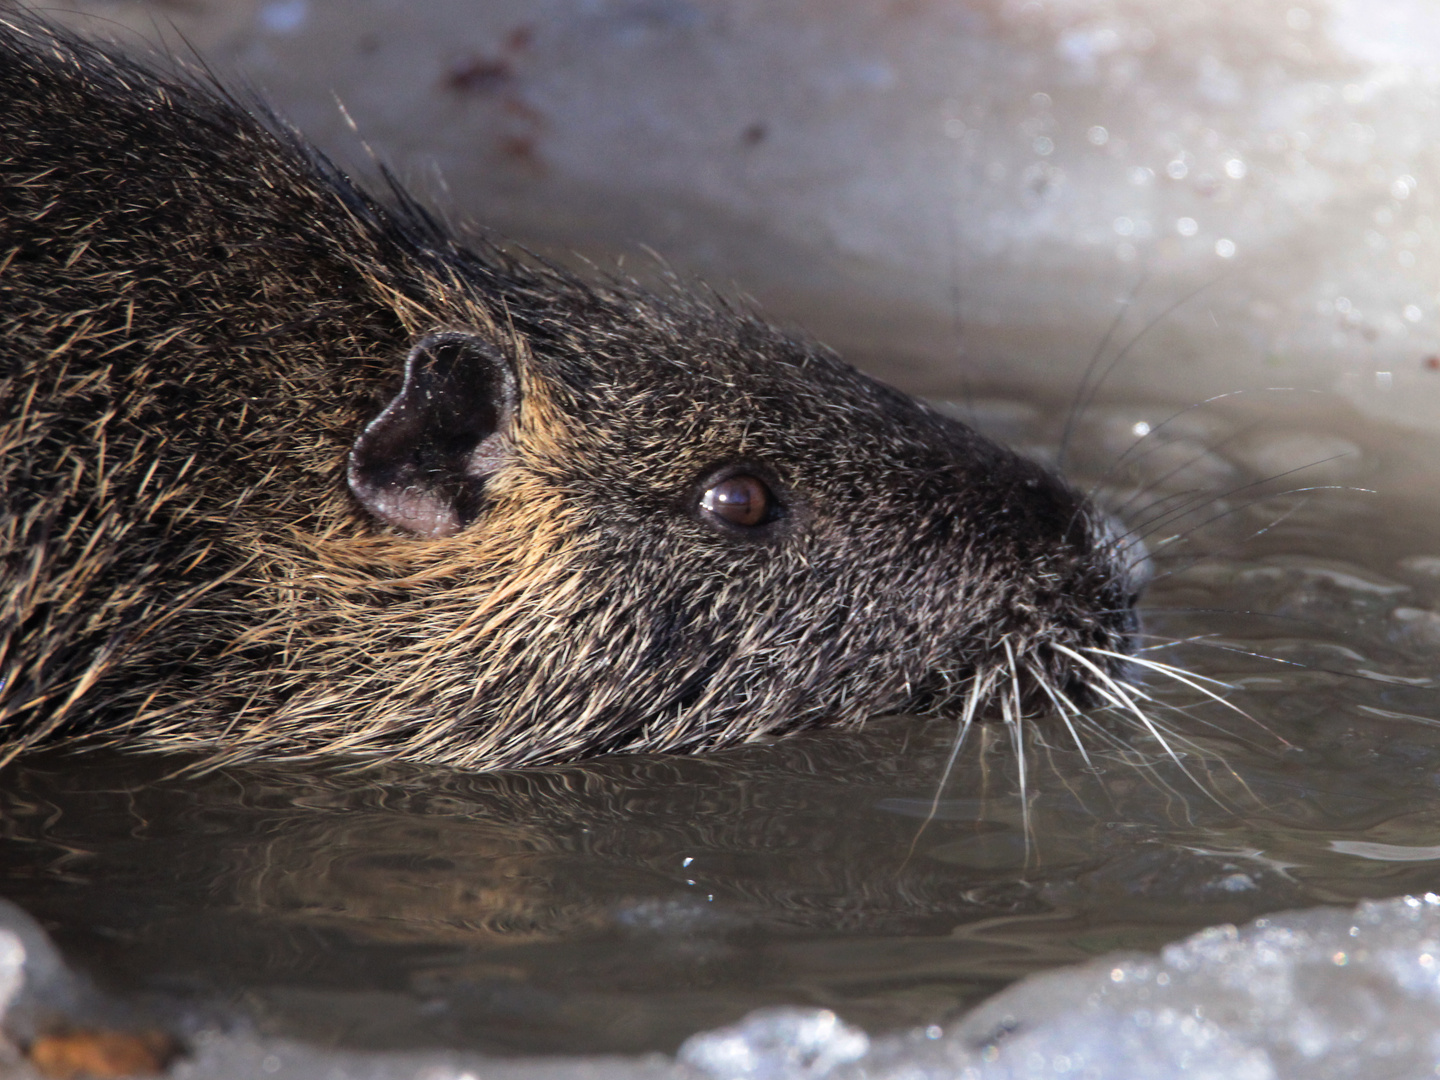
{"type": "Point", "coordinates": [287, 470]}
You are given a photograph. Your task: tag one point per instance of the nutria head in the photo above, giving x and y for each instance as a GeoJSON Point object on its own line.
{"type": "Point", "coordinates": [294, 472]}
{"type": "Point", "coordinates": [712, 531]}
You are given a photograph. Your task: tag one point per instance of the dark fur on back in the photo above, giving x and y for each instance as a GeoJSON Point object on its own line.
{"type": "Point", "coordinates": [198, 318]}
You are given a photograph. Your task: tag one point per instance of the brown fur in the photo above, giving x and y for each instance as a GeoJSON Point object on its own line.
{"type": "Point", "coordinates": [198, 317]}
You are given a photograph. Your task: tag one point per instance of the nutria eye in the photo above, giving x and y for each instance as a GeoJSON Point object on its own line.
{"type": "Point", "coordinates": [740, 500]}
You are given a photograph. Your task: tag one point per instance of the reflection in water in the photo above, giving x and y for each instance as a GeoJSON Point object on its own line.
{"type": "Point", "coordinates": [621, 905]}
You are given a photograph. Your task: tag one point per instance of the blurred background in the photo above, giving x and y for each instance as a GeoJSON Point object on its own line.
{"type": "Point", "coordinates": [962, 193]}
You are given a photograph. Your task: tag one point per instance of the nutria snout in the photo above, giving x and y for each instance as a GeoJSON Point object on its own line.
{"type": "Point", "coordinates": [288, 470]}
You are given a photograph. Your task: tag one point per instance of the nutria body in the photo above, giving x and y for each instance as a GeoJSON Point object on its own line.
{"type": "Point", "coordinates": [289, 471]}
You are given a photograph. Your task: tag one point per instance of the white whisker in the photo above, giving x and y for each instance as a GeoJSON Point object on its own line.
{"type": "Point", "coordinates": [1111, 688]}
{"type": "Point", "coordinates": [1065, 707]}
{"type": "Point", "coordinates": [1189, 679]}
{"type": "Point", "coordinates": [979, 690]}
{"type": "Point", "coordinates": [1163, 668]}
{"type": "Point", "coordinates": [1170, 643]}
{"type": "Point", "coordinates": [1014, 714]}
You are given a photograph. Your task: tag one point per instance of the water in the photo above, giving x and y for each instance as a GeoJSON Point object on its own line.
{"type": "Point", "coordinates": [624, 904]}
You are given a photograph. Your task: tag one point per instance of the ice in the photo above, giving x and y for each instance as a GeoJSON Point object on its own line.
{"type": "Point", "coordinates": [777, 1044]}
{"type": "Point", "coordinates": [1321, 994]}
{"type": "Point", "coordinates": [987, 180]}
{"type": "Point", "coordinates": [35, 985]}
{"type": "Point", "coordinates": [1314, 994]}
{"type": "Point", "coordinates": [12, 967]}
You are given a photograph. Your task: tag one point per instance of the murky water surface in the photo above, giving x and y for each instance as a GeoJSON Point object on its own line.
{"type": "Point", "coordinates": [623, 904]}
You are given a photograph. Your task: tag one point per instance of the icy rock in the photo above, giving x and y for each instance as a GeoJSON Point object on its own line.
{"type": "Point", "coordinates": [34, 981]}
{"type": "Point", "coordinates": [777, 1044]}
{"type": "Point", "coordinates": [12, 967]}
{"type": "Point", "coordinates": [1323, 994]}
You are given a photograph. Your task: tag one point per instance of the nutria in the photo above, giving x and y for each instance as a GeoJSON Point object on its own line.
{"type": "Point", "coordinates": [289, 470]}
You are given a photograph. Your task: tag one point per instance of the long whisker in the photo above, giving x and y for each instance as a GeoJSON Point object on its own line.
{"type": "Point", "coordinates": [979, 689]}
{"type": "Point", "coordinates": [1112, 690]}
{"type": "Point", "coordinates": [1186, 678]}
{"type": "Point", "coordinates": [1191, 717]}
{"type": "Point", "coordinates": [1146, 528]}
{"type": "Point", "coordinates": [1157, 428]}
{"type": "Point", "coordinates": [1228, 548]}
{"type": "Point", "coordinates": [1066, 708]}
{"type": "Point", "coordinates": [1358, 676]}
{"type": "Point", "coordinates": [1175, 501]}
{"type": "Point", "coordinates": [1127, 753]}
{"type": "Point", "coordinates": [1239, 507]}
{"type": "Point", "coordinates": [1078, 406]}
{"type": "Point", "coordinates": [1014, 713]}
{"type": "Point", "coordinates": [1166, 669]}
{"type": "Point", "coordinates": [1171, 643]}
{"type": "Point", "coordinates": [1159, 481]}
{"type": "Point", "coordinates": [1086, 394]}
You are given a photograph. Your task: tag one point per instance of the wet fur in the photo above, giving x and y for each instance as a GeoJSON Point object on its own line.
{"type": "Point", "coordinates": [198, 316]}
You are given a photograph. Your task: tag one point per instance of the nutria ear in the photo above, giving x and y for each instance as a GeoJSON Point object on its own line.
{"type": "Point", "coordinates": [423, 462]}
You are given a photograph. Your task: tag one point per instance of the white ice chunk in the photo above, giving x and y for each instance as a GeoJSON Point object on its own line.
{"type": "Point", "coordinates": [33, 978]}
{"type": "Point", "coordinates": [776, 1044]}
{"type": "Point", "coordinates": [1325, 994]}
{"type": "Point", "coordinates": [12, 967]}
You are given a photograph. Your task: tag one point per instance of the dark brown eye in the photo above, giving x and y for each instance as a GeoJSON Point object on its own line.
{"type": "Point", "coordinates": [739, 500]}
